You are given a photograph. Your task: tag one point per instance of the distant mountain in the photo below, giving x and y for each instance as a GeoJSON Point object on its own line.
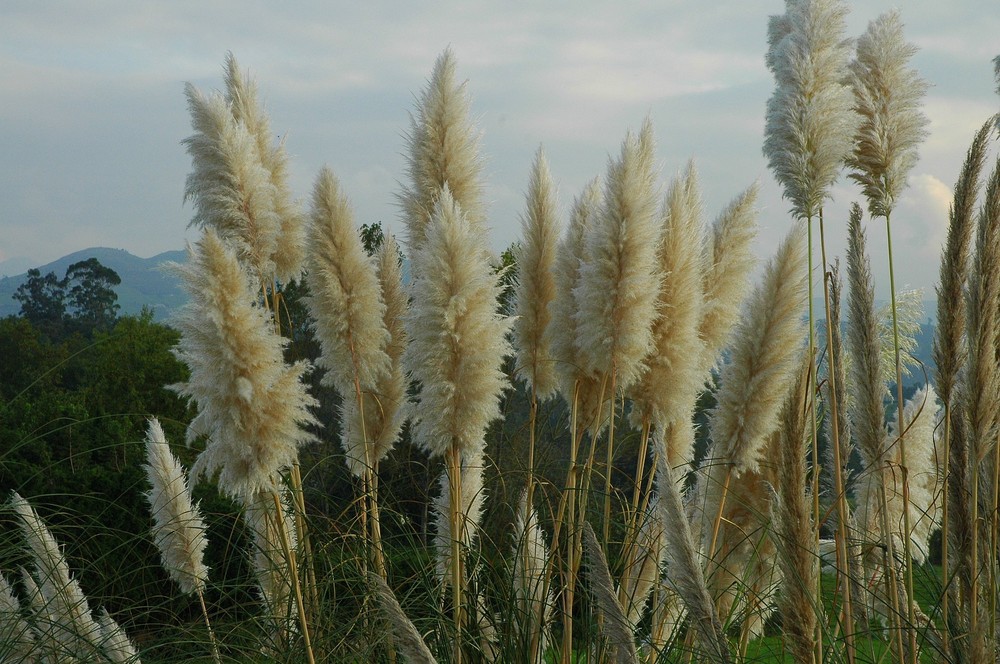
{"type": "Point", "coordinates": [15, 265]}
{"type": "Point", "coordinates": [144, 283]}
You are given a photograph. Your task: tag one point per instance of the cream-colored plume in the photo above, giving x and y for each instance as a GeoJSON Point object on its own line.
{"type": "Point", "coordinates": [349, 313]}
{"type": "Point", "coordinates": [59, 603]}
{"type": "Point", "coordinates": [667, 389]}
{"type": "Point", "coordinates": [887, 96]}
{"type": "Point", "coordinates": [16, 637]}
{"type": "Point", "coordinates": [115, 643]}
{"type": "Point", "coordinates": [242, 97]}
{"type": "Point", "coordinates": [762, 361]}
{"type": "Point", "coordinates": [729, 261]}
{"type": "Point", "coordinates": [442, 149]}
{"type": "Point", "coordinates": [620, 278]}
{"type": "Point", "coordinates": [272, 542]}
{"type": "Point", "coordinates": [536, 289]}
{"type": "Point", "coordinates": [178, 529]}
{"type": "Point", "coordinates": [575, 383]}
{"type": "Point", "coordinates": [457, 338]}
{"type": "Point", "coordinates": [251, 405]}
{"type": "Point", "coordinates": [809, 121]}
{"type": "Point", "coordinates": [231, 190]}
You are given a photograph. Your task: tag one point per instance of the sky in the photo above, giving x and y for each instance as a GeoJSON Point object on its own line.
{"type": "Point", "coordinates": [92, 109]}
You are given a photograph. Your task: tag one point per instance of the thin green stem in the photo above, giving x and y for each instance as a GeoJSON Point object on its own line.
{"type": "Point", "coordinates": [908, 559]}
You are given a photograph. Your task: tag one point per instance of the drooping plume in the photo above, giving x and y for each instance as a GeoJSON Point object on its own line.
{"type": "Point", "coordinates": [809, 122]}
{"type": "Point", "coordinates": [887, 96]}
{"type": "Point", "coordinates": [242, 97]}
{"type": "Point", "coordinates": [63, 610]}
{"type": "Point", "coordinates": [251, 405]}
{"type": "Point", "coordinates": [619, 279]}
{"type": "Point", "coordinates": [442, 149]}
{"type": "Point", "coordinates": [16, 636]}
{"type": "Point", "coordinates": [536, 289]}
{"type": "Point", "coordinates": [763, 358]}
{"type": "Point", "coordinates": [178, 530]}
{"type": "Point", "coordinates": [457, 339]}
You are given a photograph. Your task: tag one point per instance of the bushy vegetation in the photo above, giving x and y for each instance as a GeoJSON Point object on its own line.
{"type": "Point", "coordinates": [605, 444]}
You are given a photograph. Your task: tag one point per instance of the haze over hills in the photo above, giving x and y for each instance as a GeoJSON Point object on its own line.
{"type": "Point", "coordinates": [144, 283]}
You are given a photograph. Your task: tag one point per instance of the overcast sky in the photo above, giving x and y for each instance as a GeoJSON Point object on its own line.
{"type": "Point", "coordinates": [93, 111]}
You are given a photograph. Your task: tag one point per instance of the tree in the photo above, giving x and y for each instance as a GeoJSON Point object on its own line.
{"type": "Point", "coordinates": [92, 298]}
{"type": "Point", "coordinates": [43, 302]}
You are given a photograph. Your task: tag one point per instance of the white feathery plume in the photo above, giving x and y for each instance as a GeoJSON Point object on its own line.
{"type": "Point", "coordinates": [345, 297]}
{"type": "Point", "coordinates": [270, 560]}
{"type": "Point", "coordinates": [536, 289]}
{"type": "Point", "coordinates": [531, 556]}
{"type": "Point", "coordinates": [252, 406]}
{"type": "Point", "coordinates": [909, 313]}
{"type": "Point", "coordinates": [231, 190]}
{"type": "Point", "coordinates": [409, 641]}
{"type": "Point", "coordinates": [667, 389]}
{"type": "Point", "coordinates": [43, 621]}
{"type": "Point", "coordinates": [349, 316]}
{"type": "Point", "coordinates": [809, 122]}
{"type": "Point", "coordinates": [729, 260]}
{"type": "Point", "coordinates": [442, 149]}
{"type": "Point", "coordinates": [574, 381]}
{"type": "Point", "coordinates": [115, 643]}
{"type": "Point", "coordinates": [457, 339]}
{"type": "Point", "coordinates": [16, 637]}
{"type": "Point", "coordinates": [763, 358]}
{"type": "Point", "coordinates": [619, 280]}
{"type": "Point", "coordinates": [920, 418]}
{"type": "Point", "coordinates": [887, 94]}
{"type": "Point", "coordinates": [178, 530]}
{"type": "Point", "coordinates": [64, 607]}
{"type": "Point", "coordinates": [242, 97]}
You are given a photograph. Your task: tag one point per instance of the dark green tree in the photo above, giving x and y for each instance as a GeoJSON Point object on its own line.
{"type": "Point", "coordinates": [372, 237]}
{"type": "Point", "coordinates": [93, 303]}
{"type": "Point", "coordinates": [43, 302]}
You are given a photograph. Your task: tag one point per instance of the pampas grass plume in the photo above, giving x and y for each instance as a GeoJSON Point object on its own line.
{"type": "Point", "coordinates": [619, 280]}
{"type": "Point", "coordinates": [408, 640]}
{"type": "Point", "coordinates": [531, 556]}
{"type": "Point", "coordinates": [16, 637]}
{"type": "Point", "coordinates": [178, 530]}
{"type": "Point", "coordinates": [231, 190]}
{"type": "Point", "coordinates": [729, 260]}
{"type": "Point", "coordinates": [59, 597]}
{"type": "Point", "coordinates": [762, 362]}
{"type": "Point", "coordinates": [457, 339]}
{"type": "Point", "coordinates": [349, 313]}
{"type": "Point", "coordinates": [242, 97]}
{"type": "Point", "coordinates": [115, 644]}
{"type": "Point", "coordinates": [442, 149]}
{"type": "Point", "coordinates": [809, 121]}
{"type": "Point", "coordinates": [887, 97]}
{"type": "Point", "coordinates": [615, 625]}
{"type": "Point", "coordinates": [346, 299]}
{"type": "Point", "coordinates": [536, 289]}
{"type": "Point", "coordinates": [252, 406]}
{"type": "Point", "coordinates": [667, 389]}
